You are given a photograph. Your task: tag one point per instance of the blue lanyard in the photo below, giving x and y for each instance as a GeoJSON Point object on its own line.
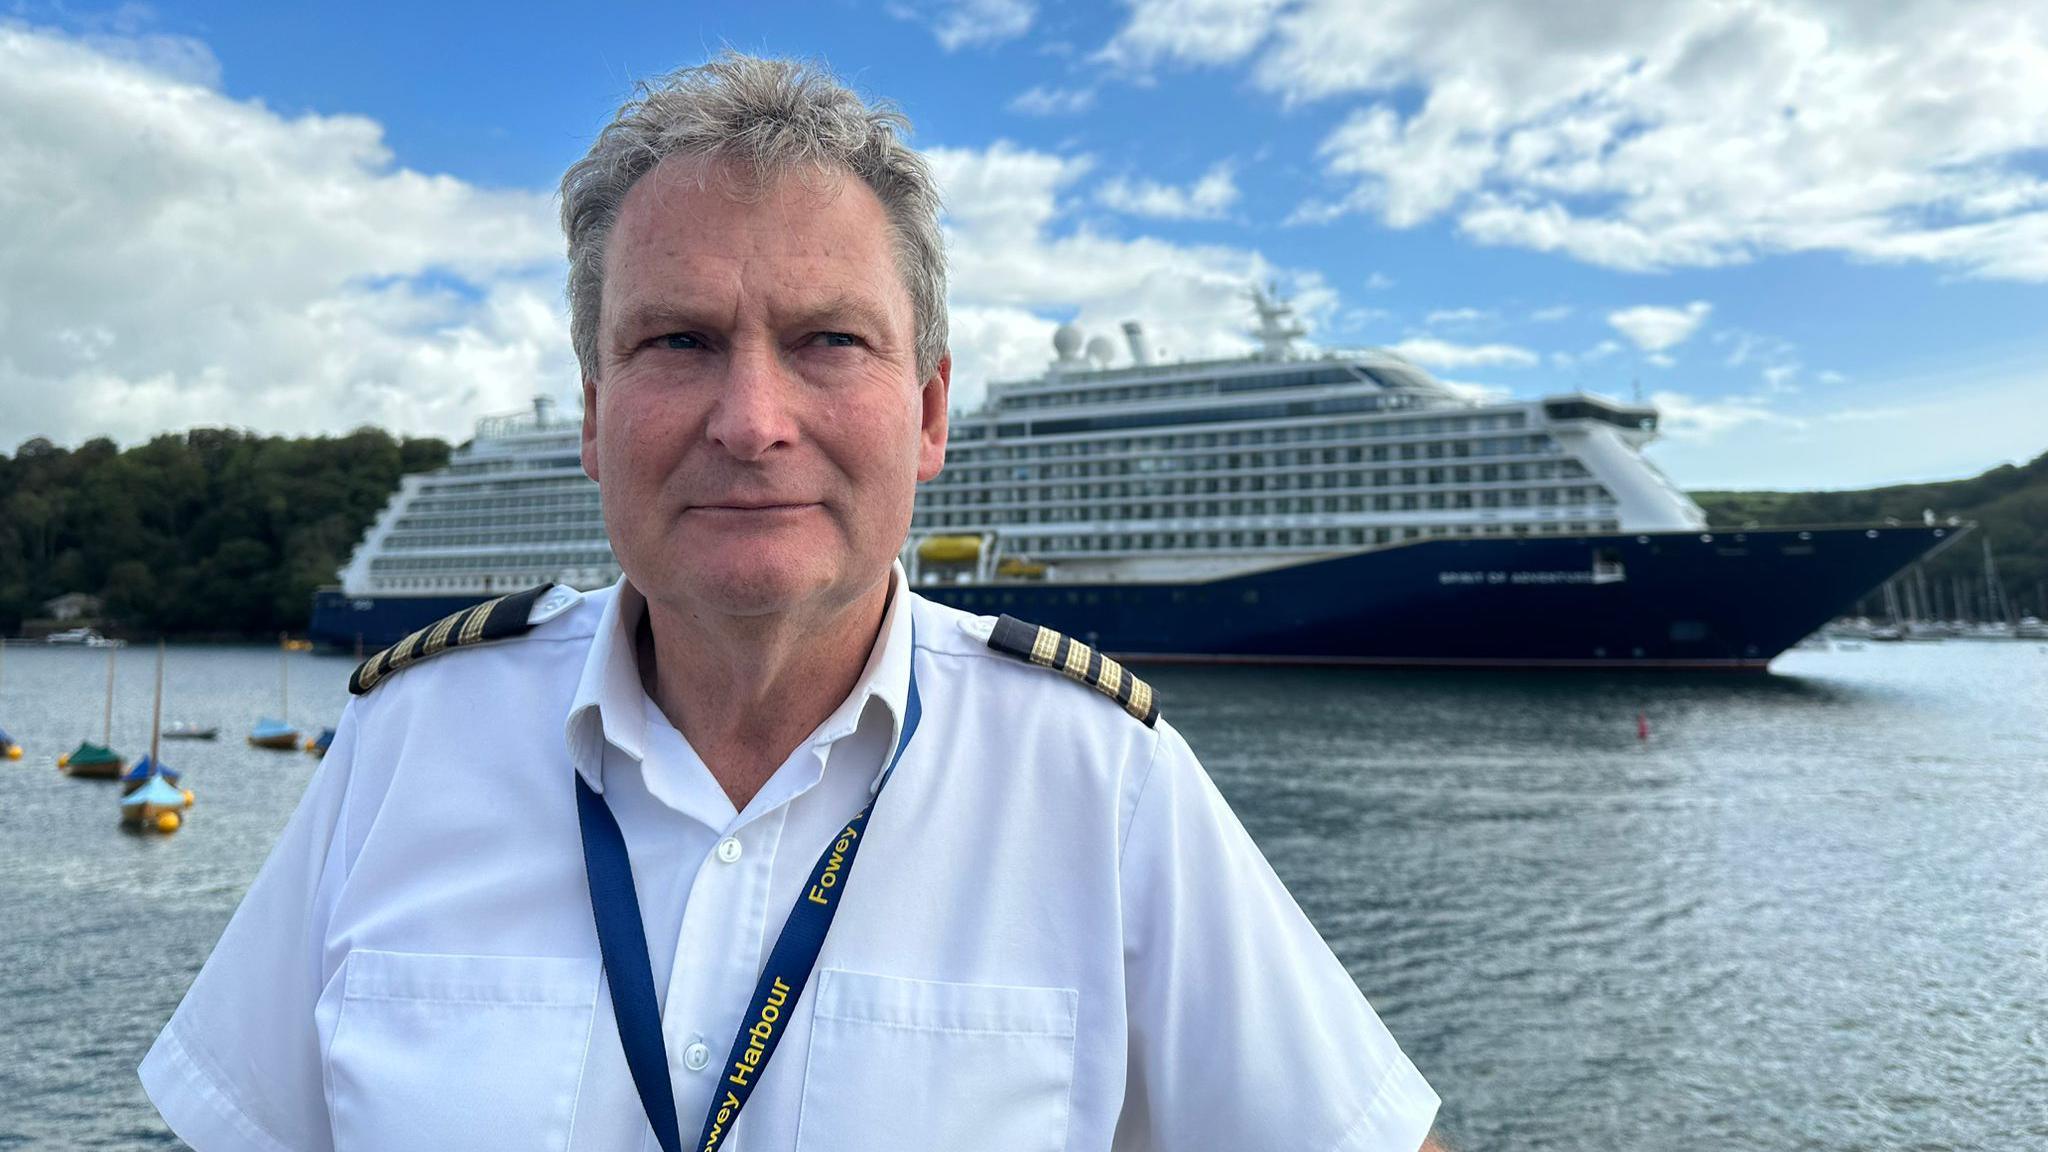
{"type": "Point", "coordinates": [622, 940]}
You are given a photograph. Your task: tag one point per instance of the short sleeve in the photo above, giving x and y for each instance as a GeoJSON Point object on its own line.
{"type": "Point", "coordinates": [1245, 1029]}
{"type": "Point", "coordinates": [238, 1066]}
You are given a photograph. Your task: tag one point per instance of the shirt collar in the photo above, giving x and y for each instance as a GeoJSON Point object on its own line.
{"type": "Point", "coordinates": [609, 702]}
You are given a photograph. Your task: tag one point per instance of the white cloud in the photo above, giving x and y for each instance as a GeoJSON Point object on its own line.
{"type": "Point", "coordinates": [1456, 316]}
{"type": "Point", "coordinates": [282, 273]}
{"type": "Point", "coordinates": [1830, 376]}
{"type": "Point", "coordinates": [1689, 418]}
{"type": "Point", "coordinates": [1654, 329]}
{"type": "Point", "coordinates": [1593, 355]}
{"type": "Point", "coordinates": [1935, 427]}
{"type": "Point", "coordinates": [1436, 353]}
{"type": "Point", "coordinates": [1643, 136]}
{"type": "Point", "coordinates": [170, 256]}
{"type": "Point", "coordinates": [1660, 360]}
{"type": "Point", "coordinates": [1780, 377]}
{"type": "Point", "coordinates": [1039, 100]}
{"type": "Point", "coordinates": [1208, 198]}
{"type": "Point", "coordinates": [968, 22]}
{"type": "Point", "coordinates": [1013, 268]}
{"type": "Point", "coordinates": [1193, 31]}
{"type": "Point", "coordinates": [1378, 282]}
{"type": "Point", "coordinates": [1552, 314]}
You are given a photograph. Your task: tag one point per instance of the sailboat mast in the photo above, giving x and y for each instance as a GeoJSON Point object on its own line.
{"type": "Point", "coordinates": [284, 691]}
{"type": "Point", "coordinates": [156, 714]}
{"type": "Point", "coordinates": [107, 727]}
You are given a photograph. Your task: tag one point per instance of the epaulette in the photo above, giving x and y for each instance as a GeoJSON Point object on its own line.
{"type": "Point", "coordinates": [497, 619]}
{"type": "Point", "coordinates": [1048, 649]}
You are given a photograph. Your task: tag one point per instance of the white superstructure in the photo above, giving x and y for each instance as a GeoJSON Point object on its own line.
{"type": "Point", "coordinates": [511, 509]}
{"type": "Point", "coordinates": [1099, 471]}
{"type": "Point", "coordinates": [1163, 471]}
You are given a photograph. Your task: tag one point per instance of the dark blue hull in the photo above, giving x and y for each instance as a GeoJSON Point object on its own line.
{"type": "Point", "coordinates": [1684, 600]}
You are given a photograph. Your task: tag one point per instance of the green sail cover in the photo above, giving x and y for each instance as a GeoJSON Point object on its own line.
{"type": "Point", "coordinates": [88, 752]}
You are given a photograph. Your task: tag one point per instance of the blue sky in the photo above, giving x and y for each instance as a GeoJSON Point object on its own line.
{"type": "Point", "coordinates": [1814, 233]}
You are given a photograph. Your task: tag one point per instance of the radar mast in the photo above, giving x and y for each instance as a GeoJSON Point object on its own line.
{"type": "Point", "coordinates": [1277, 330]}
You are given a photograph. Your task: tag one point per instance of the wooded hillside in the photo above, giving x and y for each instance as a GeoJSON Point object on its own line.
{"type": "Point", "coordinates": [2009, 504]}
{"type": "Point", "coordinates": [210, 532]}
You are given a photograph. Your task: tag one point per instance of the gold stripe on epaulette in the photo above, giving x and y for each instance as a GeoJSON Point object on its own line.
{"type": "Point", "coordinates": [374, 670]}
{"type": "Point", "coordinates": [438, 638]}
{"type": "Point", "coordinates": [1111, 680]}
{"type": "Point", "coordinates": [407, 650]}
{"type": "Point", "coordinates": [1077, 661]}
{"type": "Point", "coordinates": [1141, 700]}
{"type": "Point", "coordinates": [1044, 646]}
{"type": "Point", "coordinates": [473, 628]}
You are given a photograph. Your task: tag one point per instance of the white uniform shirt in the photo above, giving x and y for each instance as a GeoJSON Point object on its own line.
{"type": "Point", "coordinates": [1057, 936]}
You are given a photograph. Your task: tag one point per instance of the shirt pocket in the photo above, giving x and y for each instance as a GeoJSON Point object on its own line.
{"type": "Point", "coordinates": [917, 1064]}
{"type": "Point", "coordinates": [455, 1052]}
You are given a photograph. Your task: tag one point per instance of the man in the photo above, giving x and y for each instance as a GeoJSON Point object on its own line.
{"type": "Point", "coordinates": [592, 885]}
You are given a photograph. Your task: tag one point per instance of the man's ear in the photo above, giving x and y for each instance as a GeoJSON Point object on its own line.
{"type": "Point", "coordinates": [590, 428]}
{"type": "Point", "coordinates": [933, 398]}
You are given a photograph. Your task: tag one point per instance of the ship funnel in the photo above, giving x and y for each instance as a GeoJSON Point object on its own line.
{"type": "Point", "coordinates": [1134, 334]}
{"type": "Point", "coordinates": [543, 411]}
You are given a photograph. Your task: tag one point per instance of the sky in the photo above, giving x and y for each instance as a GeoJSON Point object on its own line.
{"type": "Point", "coordinates": [1813, 232]}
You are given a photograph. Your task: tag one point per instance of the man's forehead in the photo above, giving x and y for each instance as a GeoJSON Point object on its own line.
{"type": "Point", "coordinates": [701, 225]}
{"type": "Point", "coordinates": [682, 189]}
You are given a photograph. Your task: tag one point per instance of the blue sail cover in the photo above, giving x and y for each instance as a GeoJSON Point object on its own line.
{"type": "Point", "coordinates": [145, 768]}
{"type": "Point", "coordinates": [156, 792]}
{"type": "Point", "coordinates": [271, 727]}
{"type": "Point", "coordinates": [326, 739]}
{"type": "Point", "coordinates": [6, 741]}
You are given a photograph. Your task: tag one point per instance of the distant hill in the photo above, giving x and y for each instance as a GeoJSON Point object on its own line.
{"type": "Point", "coordinates": [2009, 504]}
{"type": "Point", "coordinates": [211, 532]}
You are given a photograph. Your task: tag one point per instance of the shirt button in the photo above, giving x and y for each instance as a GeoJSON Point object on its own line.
{"type": "Point", "coordinates": [696, 1056]}
{"type": "Point", "coordinates": [729, 849]}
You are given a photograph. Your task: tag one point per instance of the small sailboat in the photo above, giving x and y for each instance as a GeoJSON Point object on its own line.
{"type": "Point", "coordinates": [145, 768]}
{"type": "Point", "coordinates": [90, 761]}
{"type": "Point", "coordinates": [319, 744]}
{"type": "Point", "coordinates": [98, 761]}
{"type": "Point", "coordinates": [188, 730]}
{"type": "Point", "coordinates": [155, 803]}
{"type": "Point", "coordinates": [271, 733]}
{"type": "Point", "coordinates": [156, 806]}
{"type": "Point", "coordinates": [274, 733]}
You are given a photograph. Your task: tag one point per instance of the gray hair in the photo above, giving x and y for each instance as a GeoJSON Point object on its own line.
{"type": "Point", "coordinates": [772, 117]}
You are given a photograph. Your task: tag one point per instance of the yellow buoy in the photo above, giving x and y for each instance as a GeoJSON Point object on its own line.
{"type": "Point", "coordinates": [949, 549]}
{"type": "Point", "coordinates": [14, 751]}
{"type": "Point", "coordinates": [64, 761]}
{"type": "Point", "coordinates": [188, 797]}
{"type": "Point", "coordinates": [167, 821]}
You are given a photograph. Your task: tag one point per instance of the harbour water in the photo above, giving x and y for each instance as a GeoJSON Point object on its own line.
{"type": "Point", "coordinates": [1809, 911]}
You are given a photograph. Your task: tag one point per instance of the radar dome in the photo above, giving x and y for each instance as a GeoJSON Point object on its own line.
{"type": "Point", "coordinates": [1066, 340]}
{"type": "Point", "coordinates": [1102, 349]}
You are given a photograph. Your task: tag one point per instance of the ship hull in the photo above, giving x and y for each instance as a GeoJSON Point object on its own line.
{"type": "Point", "coordinates": [1662, 600]}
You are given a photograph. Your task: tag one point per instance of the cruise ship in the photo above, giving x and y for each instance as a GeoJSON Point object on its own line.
{"type": "Point", "coordinates": [1288, 506]}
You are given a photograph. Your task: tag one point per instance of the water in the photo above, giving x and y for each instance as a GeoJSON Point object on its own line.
{"type": "Point", "coordinates": [1810, 912]}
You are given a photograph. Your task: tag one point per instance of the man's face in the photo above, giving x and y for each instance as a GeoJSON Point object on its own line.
{"type": "Point", "coordinates": [757, 423]}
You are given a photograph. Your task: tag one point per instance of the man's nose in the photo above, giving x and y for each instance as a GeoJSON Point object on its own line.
{"type": "Point", "coordinates": [755, 410]}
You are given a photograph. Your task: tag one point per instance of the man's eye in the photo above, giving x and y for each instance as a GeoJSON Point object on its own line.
{"type": "Point", "coordinates": [838, 339]}
{"type": "Point", "coordinates": [681, 341]}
